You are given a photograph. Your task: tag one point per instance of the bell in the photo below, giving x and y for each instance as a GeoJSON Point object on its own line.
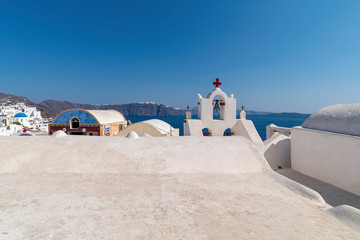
{"type": "Point", "coordinates": [217, 107]}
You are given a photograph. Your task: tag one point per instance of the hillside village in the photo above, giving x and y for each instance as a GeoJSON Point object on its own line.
{"type": "Point", "coordinates": [17, 118]}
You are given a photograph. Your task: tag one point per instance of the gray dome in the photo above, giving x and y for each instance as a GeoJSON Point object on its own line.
{"type": "Point", "coordinates": [339, 118]}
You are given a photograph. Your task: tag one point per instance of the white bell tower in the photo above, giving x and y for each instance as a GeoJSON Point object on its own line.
{"type": "Point", "coordinates": [227, 104]}
{"type": "Point", "coordinates": [227, 125]}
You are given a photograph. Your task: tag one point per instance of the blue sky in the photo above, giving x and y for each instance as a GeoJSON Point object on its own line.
{"type": "Point", "coordinates": [273, 55]}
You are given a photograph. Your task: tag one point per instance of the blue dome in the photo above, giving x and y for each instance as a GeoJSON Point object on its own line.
{"type": "Point", "coordinates": [20, 114]}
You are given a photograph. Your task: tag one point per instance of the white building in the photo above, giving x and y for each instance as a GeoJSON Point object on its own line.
{"type": "Point", "coordinates": [6, 126]}
{"type": "Point", "coordinates": [22, 118]}
{"type": "Point", "coordinates": [327, 146]}
{"type": "Point", "coordinates": [5, 119]}
{"type": "Point", "coordinates": [10, 130]}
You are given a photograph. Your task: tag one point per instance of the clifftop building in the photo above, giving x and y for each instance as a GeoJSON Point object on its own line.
{"type": "Point", "coordinates": [88, 122]}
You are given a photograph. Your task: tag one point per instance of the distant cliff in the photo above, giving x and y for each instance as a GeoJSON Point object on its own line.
{"type": "Point", "coordinates": [50, 108]}
{"type": "Point", "coordinates": [287, 115]}
{"type": "Point", "coordinates": [130, 109]}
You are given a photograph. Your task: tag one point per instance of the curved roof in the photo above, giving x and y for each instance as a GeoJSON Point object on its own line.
{"type": "Point", "coordinates": [161, 126]}
{"type": "Point", "coordinates": [107, 116]}
{"type": "Point", "coordinates": [89, 116]}
{"type": "Point", "coordinates": [339, 118]}
{"type": "Point", "coordinates": [20, 114]}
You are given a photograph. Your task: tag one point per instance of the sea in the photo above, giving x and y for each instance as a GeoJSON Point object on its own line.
{"type": "Point", "coordinates": [260, 122]}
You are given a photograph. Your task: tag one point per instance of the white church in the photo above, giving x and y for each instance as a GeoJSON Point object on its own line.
{"type": "Point", "coordinates": [325, 147]}
{"type": "Point", "coordinates": [227, 124]}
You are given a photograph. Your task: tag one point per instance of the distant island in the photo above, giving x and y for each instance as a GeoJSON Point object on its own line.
{"type": "Point", "coordinates": [50, 108]}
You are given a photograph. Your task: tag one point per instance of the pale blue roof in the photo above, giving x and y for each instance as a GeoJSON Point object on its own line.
{"type": "Point", "coordinates": [90, 116]}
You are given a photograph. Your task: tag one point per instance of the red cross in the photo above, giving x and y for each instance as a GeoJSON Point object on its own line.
{"type": "Point", "coordinates": [242, 107]}
{"type": "Point", "coordinates": [217, 83]}
{"type": "Point", "coordinates": [188, 108]}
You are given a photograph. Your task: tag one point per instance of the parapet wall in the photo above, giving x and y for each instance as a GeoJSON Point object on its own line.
{"type": "Point", "coordinates": [92, 155]}
{"type": "Point", "coordinates": [330, 157]}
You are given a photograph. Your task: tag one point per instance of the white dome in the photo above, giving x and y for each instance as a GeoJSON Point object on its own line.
{"type": "Point", "coordinates": [59, 133]}
{"type": "Point", "coordinates": [161, 126]}
{"type": "Point", "coordinates": [339, 118]}
{"type": "Point", "coordinates": [132, 134]}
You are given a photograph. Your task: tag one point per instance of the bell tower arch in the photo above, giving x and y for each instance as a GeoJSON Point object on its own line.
{"type": "Point", "coordinates": [227, 104]}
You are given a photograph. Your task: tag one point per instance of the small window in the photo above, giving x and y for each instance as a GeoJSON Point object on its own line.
{"type": "Point", "coordinates": [74, 123]}
{"type": "Point", "coordinates": [206, 132]}
{"type": "Point", "coordinates": [228, 132]}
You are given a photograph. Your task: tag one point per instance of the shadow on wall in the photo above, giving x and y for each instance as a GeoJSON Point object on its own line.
{"type": "Point", "coordinates": [278, 151]}
{"type": "Point", "coordinates": [331, 194]}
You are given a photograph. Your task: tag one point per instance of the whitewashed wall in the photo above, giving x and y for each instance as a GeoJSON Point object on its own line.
{"type": "Point", "coordinates": [330, 157]}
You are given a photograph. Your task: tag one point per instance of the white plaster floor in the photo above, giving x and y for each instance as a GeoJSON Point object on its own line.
{"type": "Point", "coordinates": [155, 206]}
